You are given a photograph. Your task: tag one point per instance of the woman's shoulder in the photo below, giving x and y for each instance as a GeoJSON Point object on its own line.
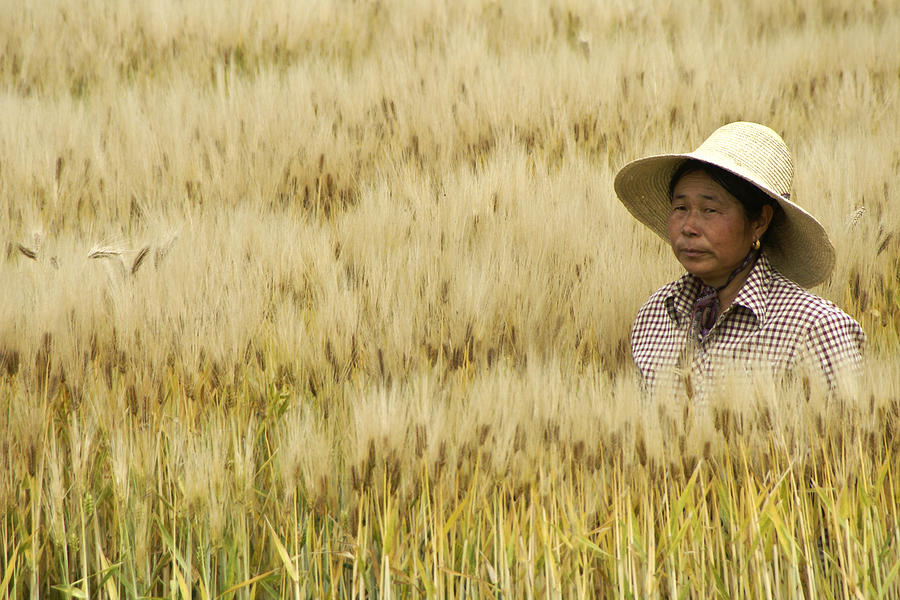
{"type": "Point", "coordinates": [834, 338]}
{"type": "Point", "coordinates": [657, 305]}
{"type": "Point", "coordinates": [663, 294]}
{"type": "Point", "coordinates": [664, 311]}
{"type": "Point", "coordinates": [786, 299]}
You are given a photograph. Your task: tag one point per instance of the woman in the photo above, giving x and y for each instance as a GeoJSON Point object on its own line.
{"type": "Point", "coordinates": [749, 252]}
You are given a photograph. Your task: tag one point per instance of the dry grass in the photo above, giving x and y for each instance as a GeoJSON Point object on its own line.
{"type": "Point", "coordinates": [334, 301]}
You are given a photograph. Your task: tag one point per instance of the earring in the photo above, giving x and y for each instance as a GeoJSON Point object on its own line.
{"type": "Point", "coordinates": [755, 245]}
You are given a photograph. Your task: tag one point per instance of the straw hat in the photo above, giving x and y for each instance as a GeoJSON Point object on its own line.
{"type": "Point", "coordinates": [796, 243]}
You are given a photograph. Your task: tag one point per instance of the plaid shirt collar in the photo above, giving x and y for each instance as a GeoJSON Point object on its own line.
{"type": "Point", "coordinates": [680, 298]}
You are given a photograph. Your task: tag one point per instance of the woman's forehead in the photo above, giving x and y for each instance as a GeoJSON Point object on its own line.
{"type": "Point", "coordinates": [699, 182]}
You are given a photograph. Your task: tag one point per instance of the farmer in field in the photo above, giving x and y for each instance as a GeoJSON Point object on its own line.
{"type": "Point", "coordinates": [749, 252]}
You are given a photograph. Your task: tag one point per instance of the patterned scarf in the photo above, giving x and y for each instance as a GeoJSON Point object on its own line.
{"type": "Point", "coordinates": [706, 307]}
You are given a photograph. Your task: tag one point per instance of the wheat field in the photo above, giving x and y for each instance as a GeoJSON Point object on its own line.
{"type": "Point", "coordinates": [332, 299]}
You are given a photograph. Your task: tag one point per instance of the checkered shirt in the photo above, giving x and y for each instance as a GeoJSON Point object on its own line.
{"type": "Point", "coordinates": [771, 322]}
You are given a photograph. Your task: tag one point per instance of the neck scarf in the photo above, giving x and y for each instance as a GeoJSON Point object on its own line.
{"type": "Point", "coordinates": [706, 307]}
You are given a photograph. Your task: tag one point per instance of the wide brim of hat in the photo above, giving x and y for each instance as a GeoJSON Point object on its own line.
{"type": "Point", "coordinates": [797, 244]}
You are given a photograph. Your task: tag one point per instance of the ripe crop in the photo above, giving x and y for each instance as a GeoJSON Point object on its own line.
{"type": "Point", "coordinates": [333, 299]}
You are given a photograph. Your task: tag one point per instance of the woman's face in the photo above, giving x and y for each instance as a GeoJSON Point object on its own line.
{"type": "Point", "coordinates": [708, 230]}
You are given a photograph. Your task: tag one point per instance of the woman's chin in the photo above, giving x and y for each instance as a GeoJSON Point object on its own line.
{"type": "Point", "coordinates": [695, 265]}
{"type": "Point", "coordinates": [706, 275]}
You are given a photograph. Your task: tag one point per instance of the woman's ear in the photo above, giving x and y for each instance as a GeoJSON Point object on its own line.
{"type": "Point", "coordinates": [761, 225]}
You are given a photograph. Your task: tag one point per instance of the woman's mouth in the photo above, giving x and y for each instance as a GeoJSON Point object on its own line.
{"type": "Point", "coordinates": [692, 252]}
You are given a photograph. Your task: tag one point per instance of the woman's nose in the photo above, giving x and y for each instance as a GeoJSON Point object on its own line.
{"type": "Point", "coordinates": [689, 224]}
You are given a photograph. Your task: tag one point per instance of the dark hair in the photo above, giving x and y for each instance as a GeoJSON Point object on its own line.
{"type": "Point", "coordinates": [752, 198]}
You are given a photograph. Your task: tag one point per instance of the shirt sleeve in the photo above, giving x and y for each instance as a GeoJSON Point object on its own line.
{"type": "Point", "coordinates": [835, 344]}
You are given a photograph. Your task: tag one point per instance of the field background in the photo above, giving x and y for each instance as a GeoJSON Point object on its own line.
{"type": "Point", "coordinates": [332, 299]}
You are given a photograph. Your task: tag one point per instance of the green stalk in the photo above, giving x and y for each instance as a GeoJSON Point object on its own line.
{"type": "Point", "coordinates": [36, 482]}
{"type": "Point", "coordinates": [295, 530]}
{"type": "Point", "coordinates": [85, 574]}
